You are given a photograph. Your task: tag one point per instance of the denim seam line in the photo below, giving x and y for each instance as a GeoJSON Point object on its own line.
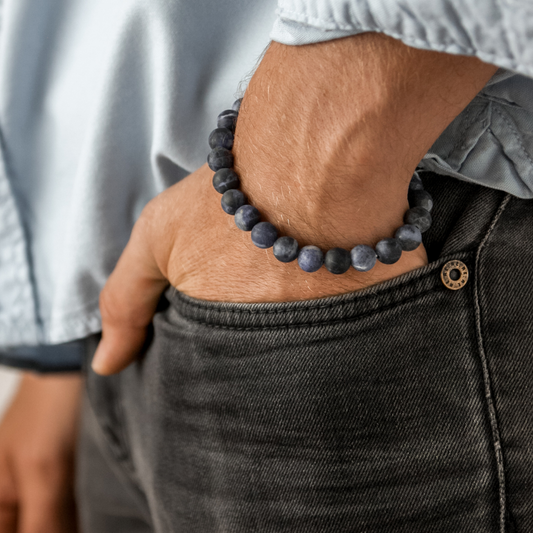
{"type": "Point", "coordinates": [206, 306]}
{"type": "Point", "coordinates": [114, 439]}
{"type": "Point", "coordinates": [122, 464]}
{"type": "Point", "coordinates": [320, 322]}
{"type": "Point", "coordinates": [487, 381]}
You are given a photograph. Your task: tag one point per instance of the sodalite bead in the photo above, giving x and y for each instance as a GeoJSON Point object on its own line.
{"type": "Point", "coordinates": [264, 235]}
{"type": "Point", "coordinates": [419, 217]}
{"type": "Point", "coordinates": [231, 201]}
{"type": "Point", "coordinates": [225, 179]}
{"type": "Point", "coordinates": [286, 249]}
{"type": "Point", "coordinates": [246, 217]}
{"type": "Point", "coordinates": [237, 105]}
{"type": "Point", "coordinates": [310, 258]}
{"type": "Point", "coordinates": [221, 137]}
{"type": "Point", "coordinates": [416, 183]}
{"type": "Point", "coordinates": [420, 199]}
{"type": "Point", "coordinates": [409, 237]}
{"type": "Point", "coordinates": [219, 158]}
{"type": "Point", "coordinates": [337, 260]}
{"type": "Point", "coordinates": [388, 251]}
{"type": "Point", "coordinates": [363, 257]}
{"type": "Point", "coordinates": [227, 119]}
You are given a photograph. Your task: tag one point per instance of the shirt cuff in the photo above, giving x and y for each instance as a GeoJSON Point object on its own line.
{"type": "Point", "coordinates": [66, 357]}
{"type": "Point", "coordinates": [495, 32]}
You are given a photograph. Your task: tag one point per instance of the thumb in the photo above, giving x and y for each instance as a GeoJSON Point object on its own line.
{"type": "Point", "coordinates": [128, 303]}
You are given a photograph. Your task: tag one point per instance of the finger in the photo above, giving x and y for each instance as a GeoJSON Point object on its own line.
{"type": "Point", "coordinates": [47, 503]}
{"type": "Point", "coordinates": [8, 518]}
{"type": "Point", "coordinates": [8, 499]}
{"type": "Point", "coordinates": [47, 515]}
{"type": "Point", "coordinates": [128, 303]}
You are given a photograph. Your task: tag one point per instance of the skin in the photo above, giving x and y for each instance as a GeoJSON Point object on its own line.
{"type": "Point", "coordinates": [327, 140]}
{"type": "Point", "coordinates": [37, 442]}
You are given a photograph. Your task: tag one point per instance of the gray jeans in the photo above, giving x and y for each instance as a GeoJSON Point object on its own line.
{"type": "Point", "coordinates": [405, 407]}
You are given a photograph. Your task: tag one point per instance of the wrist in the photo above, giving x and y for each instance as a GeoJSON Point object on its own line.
{"type": "Point", "coordinates": [329, 135]}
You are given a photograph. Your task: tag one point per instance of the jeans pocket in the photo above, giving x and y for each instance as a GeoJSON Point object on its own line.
{"type": "Point", "coordinates": [360, 412]}
{"type": "Point", "coordinates": [105, 398]}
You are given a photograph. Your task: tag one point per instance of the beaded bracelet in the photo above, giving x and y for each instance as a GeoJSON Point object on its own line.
{"type": "Point", "coordinates": [286, 249]}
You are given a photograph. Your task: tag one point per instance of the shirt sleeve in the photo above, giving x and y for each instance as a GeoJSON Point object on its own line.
{"type": "Point", "coordinates": [495, 31]}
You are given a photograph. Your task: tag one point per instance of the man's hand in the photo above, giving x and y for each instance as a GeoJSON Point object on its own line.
{"type": "Point", "coordinates": [37, 440]}
{"type": "Point", "coordinates": [327, 140]}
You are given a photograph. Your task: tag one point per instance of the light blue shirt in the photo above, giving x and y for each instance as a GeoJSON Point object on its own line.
{"type": "Point", "coordinates": [104, 104]}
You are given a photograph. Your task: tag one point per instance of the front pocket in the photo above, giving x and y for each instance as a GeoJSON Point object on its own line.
{"type": "Point", "coordinates": [362, 412]}
{"type": "Point", "coordinates": [349, 306]}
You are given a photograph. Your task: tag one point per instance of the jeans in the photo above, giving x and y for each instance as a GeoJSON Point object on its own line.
{"type": "Point", "coordinates": [404, 407]}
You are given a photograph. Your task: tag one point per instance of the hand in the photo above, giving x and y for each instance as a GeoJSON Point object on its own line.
{"type": "Point", "coordinates": [327, 140]}
{"type": "Point", "coordinates": [37, 440]}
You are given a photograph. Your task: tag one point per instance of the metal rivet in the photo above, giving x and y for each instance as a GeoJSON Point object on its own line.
{"type": "Point", "coordinates": [454, 269]}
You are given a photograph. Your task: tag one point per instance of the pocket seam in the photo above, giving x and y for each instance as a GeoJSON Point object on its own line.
{"type": "Point", "coordinates": [316, 323]}
{"type": "Point", "coordinates": [189, 301]}
{"type": "Point", "coordinates": [206, 307]}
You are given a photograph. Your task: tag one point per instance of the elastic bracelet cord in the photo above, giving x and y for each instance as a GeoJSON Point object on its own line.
{"type": "Point", "coordinates": [286, 249]}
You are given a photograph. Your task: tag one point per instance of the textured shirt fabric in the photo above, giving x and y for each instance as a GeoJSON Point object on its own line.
{"type": "Point", "coordinates": [104, 104]}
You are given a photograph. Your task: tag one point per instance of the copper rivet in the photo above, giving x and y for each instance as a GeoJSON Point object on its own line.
{"type": "Point", "coordinates": [459, 267]}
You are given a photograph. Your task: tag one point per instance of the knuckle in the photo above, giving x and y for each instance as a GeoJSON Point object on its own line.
{"type": "Point", "coordinates": [151, 212]}
{"type": "Point", "coordinates": [111, 311]}
{"type": "Point", "coordinates": [106, 301]}
{"type": "Point", "coordinates": [7, 494]}
{"type": "Point", "coordinates": [42, 465]}
{"type": "Point", "coordinates": [7, 490]}
{"type": "Point", "coordinates": [7, 498]}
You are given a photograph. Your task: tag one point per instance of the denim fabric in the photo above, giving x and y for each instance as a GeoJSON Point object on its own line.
{"type": "Point", "coordinates": [405, 407]}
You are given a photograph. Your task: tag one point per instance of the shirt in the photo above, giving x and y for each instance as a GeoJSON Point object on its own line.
{"type": "Point", "coordinates": [104, 104]}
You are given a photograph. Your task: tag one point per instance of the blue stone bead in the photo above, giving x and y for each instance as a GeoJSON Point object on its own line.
{"type": "Point", "coordinates": [231, 201]}
{"type": "Point", "coordinates": [286, 249]}
{"type": "Point", "coordinates": [420, 199]}
{"type": "Point", "coordinates": [363, 257]}
{"type": "Point", "coordinates": [237, 105]}
{"type": "Point", "coordinates": [419, 217]}
{"type": "Point", "coordinates": [310, 258]}
{"type": "Point", "coordinates": [246, 217]}
{"type": "Point", "coordinates": [337, 260]}
{"type": "Point", "coordinates": [388, 251]}
{"type": "Point", "coordinates": [225, 179]}
{"type": "Point", "coordinates": [409, 237]}
{"type": "Point", "coordinates": [264, 235]}
{"type": "Point", "coordinates": [416, 183]}
{"type": "Point", "coordinates": [219, 158]}
{"type": "Point", "coordinates": [227, 119]}
{"type": "Point", "coordinates": [221, 137]}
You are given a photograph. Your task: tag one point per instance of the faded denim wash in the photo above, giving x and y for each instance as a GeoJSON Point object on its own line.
{"type": "Point", "coordinates": [405, 407]}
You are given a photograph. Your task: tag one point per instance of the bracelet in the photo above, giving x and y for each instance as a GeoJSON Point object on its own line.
{"type": "Point", "coordinates": [362, 257]}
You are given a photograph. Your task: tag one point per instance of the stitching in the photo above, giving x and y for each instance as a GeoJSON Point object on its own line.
{"type": "Point", "coordinates": [317, 323]}
{"type": "Point", "coordinates": [462, 132]}
{"type": "Point", "coordinates": [514, 131]}
{"type": "Point", "coordinates": [500, 100]}
{"type": "Point", "coordinates": [206, 307]}
{"type": "Point", "coordinates": [486, 373]}
{"type": "Point", "coordinates": [465, 129]}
